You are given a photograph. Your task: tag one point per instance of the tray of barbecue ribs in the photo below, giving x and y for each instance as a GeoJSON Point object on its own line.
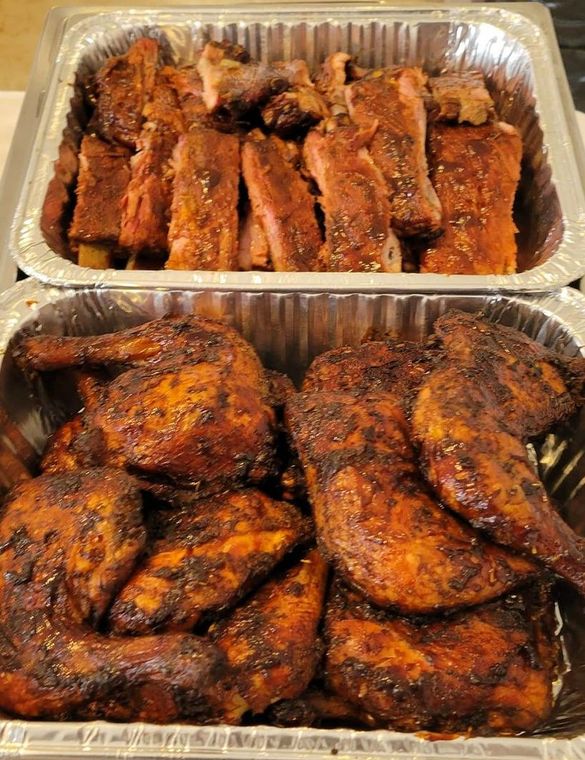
{"type": "Point", "coordinates": [351, 533]}
{"type": "Point", "coordinates": [300, 148]}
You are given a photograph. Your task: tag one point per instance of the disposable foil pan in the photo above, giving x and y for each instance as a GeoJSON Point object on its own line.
{"type": "Point", "coordinates": [288, 330]}
{"type": "Point", "coordinates": [512, 43]}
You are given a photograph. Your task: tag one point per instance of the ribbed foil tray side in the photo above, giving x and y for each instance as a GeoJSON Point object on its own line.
{"type": "Point", "coordinates": [288, 329]}
{"type": "Point", "coordinates": [513, 45]}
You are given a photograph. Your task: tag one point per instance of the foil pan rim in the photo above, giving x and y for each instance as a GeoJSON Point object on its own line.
{"type": "Point", "coordinates": [564, 265]}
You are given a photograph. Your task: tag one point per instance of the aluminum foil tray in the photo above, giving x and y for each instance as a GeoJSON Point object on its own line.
{"type": "Point", "coordinates": [512, 43]}
{"type": "Point", "coordinates": [288, 330]}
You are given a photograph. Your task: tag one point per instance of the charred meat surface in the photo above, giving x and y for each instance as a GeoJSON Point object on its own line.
{"type": "Point", "coordinates": [204, 558]}
{"type": "Point", "coordinates": [484, 670]}
{"type": "Point", "coordinates": [281, 202]}
{"type": "Point", "coordinates": [354, 200]}
{"type": "Point", "coordinates": [124, 85]}
{"type": "Point", "coordinates": [104, 174]}
{"type": "Point", "coordinates": [377, 521]}
{"type": "Point", "coordinates": [460, 97]}
{"type": "Point", "coordinates": [68, 543]}
{"type": "Point", "coordinates": [203, 232]}
{"type": "Point", "coordinates": [71, 447]}
{"type": "Point", "coordinates": [392, 100]}
{"type": "Point", "coordinates": [475, 171]}
{"type": "Point", "coordinates": [147, 202]}
{"type": "Point", "coordinates": [393, 366]}
{"type": "Point", "coordinates": [292, 113]}
{"type": "Point", "coordinates": [271, 641]}
{"type": "Point", "coordinates": [238, 86]}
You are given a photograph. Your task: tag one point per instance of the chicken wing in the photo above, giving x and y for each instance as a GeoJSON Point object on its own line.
{"type": "Point", "coordinates": [270, 642]}
{"type": "Point", "coordinates": [205, 557]}
{"type": "Point", "coordinates": [377, 521]}
{"type": "Point", "coordinates": [484, 670]}
{"type": "Point", "coordinates": [67, 543]}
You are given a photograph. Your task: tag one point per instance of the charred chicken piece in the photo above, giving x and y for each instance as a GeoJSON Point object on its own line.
{"type": "Point", "coordinates": [196, 407]}
{"type": "Point", "coordinates": [188, 339]}
{"type": "Point", "coordinates": [124, 85]}
{"type": "Point", "coordinates": [354, 200]}
{"type": "Point", "coordinates": [478, 464]}
{"type": "Point", "coordinates": [203, 233]}
{"type": "Point", "coordinates": [147, 203]}
{"type": "Point", "coordinates": [393, 101]}
{"type": "Point", "coordinates": [68, 543]}
{"type": "Point", "coordinates": [294, 112]}
{"type": "Point", "coordinates": [104, 174]}
{"type": "Point", "coordinates": [71, 447]}
{"type": "Point", "coordinates": [271, 642]}
{"type": "Point", "coordinates": [281, 202]}
{"type": "Point", "coordinates": [204, 558]}
{"type": "Point", "coordinates": [485, 670]}
{"type": "Point", "coordinates": [392, 366]}
{"type": "Point", "coordinates": [475, 171]}
{"type": "Point", "coordinates": [534, 386]}
{"type": "Point", "coordinates": [238, 86]}
{"type": "Point", "coordinates": [317, 707]}
{"type": "Point", "coordinates": [377, 521]}
{"type": "Point", "coordinates": [460, 97]}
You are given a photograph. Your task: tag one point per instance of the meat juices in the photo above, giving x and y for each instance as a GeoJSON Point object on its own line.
{"type": "Point", "coordinates": [281, 202]}
{"type": "Point", "coordinates": [355, 202]}
{"type": "Point", "coordinates": [475, 171]}
{"type": "Point", "coordinates": [393, 101]}
{"type": "Point", "coordinates": [124, 86]}
{"type": "Point", "coordinates": [104, 173]}
{"type": "Point", "coordinates": [203, 232]}
{"type": "Point", "coordinates": [147, 202]}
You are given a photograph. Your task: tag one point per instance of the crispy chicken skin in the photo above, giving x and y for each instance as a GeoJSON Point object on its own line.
{"type": "Point", "coordinates": [484, 670]}
{"type": "Point", "coordinates": [392, 99]}
{"type": "Point", "coordinates": [354, 200]}
{"type": "Point", "coordinates": [204, 558]}
{"type": "Point", "coordinates": [67, 543]}
{"type": "Point", "coordinates": [479, 467]}
{"type": "Point", "coordinates": [377, 521]}
{"type": "Point", "coordinates": [270, 642]}
{"type": "Point", "coordinates": [71, 447]}
{"type": "Point", "coordinates": [535, 388]}
{"type": "Point", "coordinates": [124, 85]}
{"type": "Point", "coordinates": [282, 204]}
{"type": "Point", "coordinates": [203, 232]}
{"type": "Point", "coordinates": [393, 366]}
{"type": "Point", "coordinates": [195, 407]}
{"type": "Point", "coordinates": [475, 171]}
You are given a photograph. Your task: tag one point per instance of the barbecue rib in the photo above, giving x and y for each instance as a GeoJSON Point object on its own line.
{"type": "Point", "coordinates": [68, 542]}
{"type": "Point", "coordinates": [270, 642]}
{"type": "Point", "coordinates": [104, 174]}
{"type": "Point", "coordinates": [147, 202]}
{"type": "Point", "coordinates": [239, 86]}
{"type": "Point", "coordinates": [204, 558]}
{"type": "Point", "coordinates": [392, 100]}
{"type": "Point", "coordinates": [293, 112]}
{"type": "Point", "coordinates": [460, 97]}
{"type": "Point", "coordinates": [330, 82]}
{"type": "Point", "coordinates": [354, 201]}
{"type": "Point", "coordinates": [376, 520]}
{"type": "Point", "coordinates": [281, 202]}
{"type": "Point", "coordinates": [203, 232]}
{"type": "Point", "coordinates": [124, 85]}
{"type": "Point", "coordinates": [475, 171]}
{"type": "Point", "coordinates": [487, 669]}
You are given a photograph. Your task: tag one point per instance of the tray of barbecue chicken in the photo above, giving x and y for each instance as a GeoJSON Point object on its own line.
{"type": "Point", "coordinates": [353, 532]}
{"type": "Point", "coordinates": [391, 148]}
